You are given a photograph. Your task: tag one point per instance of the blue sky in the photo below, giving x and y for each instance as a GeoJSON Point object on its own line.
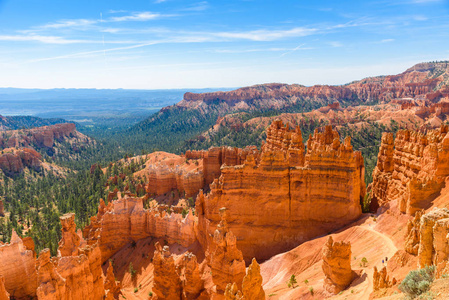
{"type": "Point", "coordinates": [193, 44]}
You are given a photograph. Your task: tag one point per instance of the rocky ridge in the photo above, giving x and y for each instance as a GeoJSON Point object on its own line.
{"type": "Point", "coordinates": [280, 178]}
{"type": "Point", "coordinates": [411, 169]}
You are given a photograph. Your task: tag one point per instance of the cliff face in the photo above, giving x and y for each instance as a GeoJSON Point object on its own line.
{"type": "Point", "coordinates": [76, 272]}
{"type": "Point", "coordinates": [125, 220]}
{"type": "Point", "coordinates": [336, 265]}
{"type": "Point", "coordinates": [418, 81]}
{"type": "Point", "coordinates": [41, 136]}
{"type": "Point", "coordinates": [18, 268]}
{"type": "Point", "coordinates": [287, 196]}
{"type": "Point", "coordinates": [414, 170]}
{"type": "Point", "coordinates": [432, 247]}
{"type": "Point", "coordinates": [15, 160]}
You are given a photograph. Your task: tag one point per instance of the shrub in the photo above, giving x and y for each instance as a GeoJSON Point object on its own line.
{"type": "Point", "coordinates": [311, 290]}
{"type": "Point", "coordinates": [364, 261]}
{"type": "Point", "coordinates": [418, 282]}
{"type": "Point", "coordinates": [292, 281]}
{"type": "Point", "coordinates": [136, 290]}
{"type": "Point", "coordinates": [132, 271]}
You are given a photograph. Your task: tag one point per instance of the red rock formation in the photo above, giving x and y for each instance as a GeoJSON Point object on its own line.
{"type": "Point", "coordinates": [288, 198]}
{"type": "Point", "coordinates": [226, 261]}
{"type": "Point", "coordinates": [70, 241]}
{"type": "Point", "coordinates": [432, 247]}
{"type": "Point", "coordinates": [192, 283]}
{"type": "Point", "coordinates": [51, 283]}
{"type": "Point", "coordinates": [2, 209]}
{"type": "Point", "coordinates": [232, 292]}
{"type": "Point", "coordinates": [337, 266]}
{"type": "Point", "coordinates": [420, 164]}
{"type": "Point", "coordinates": [15, 160]}
{"type": "Point", "coordinates": [412, 237]}
{"type": "Point", "coordinates": [4, 295]}
{"type": "Point", "coordinates": [42, 136]}
{"type": "Point", "coordinates": [18, 268]}
{"type": "Point", "coordinates": [111, 286]}
{"type": "Point", "coordinates": [381, 279]}
{"type": "Point", "coordinates": [167, 284]}
{"type": "Point", "coordinates": [416, 81]}
{"type": "Point", "coordinates": [125, 220]}
{"type": "Point", "coordinates": [252, 283]}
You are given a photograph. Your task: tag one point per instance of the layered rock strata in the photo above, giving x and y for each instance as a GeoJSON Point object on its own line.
{"type": "Point", "coordinates": [226, 261]}
{"type": "Point", "coordinates": [126, 220]}
{"type": "Point", "coordinates": [287, 196]}
{"type": "Point", "coordinates": [18, 268]}
{"type": "Point", "coordinates": [432, 246]}
{"type": "Point", "coordinates": [167, 284]}
{"type": "Point", "coordinates": [180, 280]}
{"type": "Point", "coordinates": [13, 161]}
{"type": "Point", "coordinates": [44, 136]}
{"type": "Point", "coordinates": [412, 171]}
{"type": "Point", "coordinates": [336, 266]}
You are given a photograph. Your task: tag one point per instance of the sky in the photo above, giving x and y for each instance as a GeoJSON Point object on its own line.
{"type": "Point", "coordinates": [161, 44]}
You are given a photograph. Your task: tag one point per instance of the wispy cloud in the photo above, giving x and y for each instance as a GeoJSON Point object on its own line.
{"type": "Point", "coordinates": [41, 38]}
{"type": "Point", "coordinates": [267, 35]}
{"type": "Point", "coordinates": [159, 1]}
{"type": "Point", "coordinates": [294, 50]}
{"type": "Point", "coordinates": [101, 52]}
{"type": "Point", "coordinates": [199, 6]}
{"type": "Point", "coordinates": [140, 16]}
{"type": "Point", "coordinates": [387, 40]}
{"type": "Point", "coordinates": [69, 23]}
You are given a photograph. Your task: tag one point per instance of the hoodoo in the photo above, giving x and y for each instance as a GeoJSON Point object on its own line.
{"type": "Point", "coordinates": [288, 196]}
{"type": "Point", "coordinates": [411, 169]}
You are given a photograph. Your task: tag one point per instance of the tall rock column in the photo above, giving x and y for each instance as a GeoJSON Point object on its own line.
{"type": "Point", "coordinates": [51, 283]}
{"type": "Point", "coordinates": [226, 262]}
{"type": "Point", "coordinates": [167, 284]}
{"type": "Point", "coordinates": [251, 286]}
{"type": "Point", "coordinates": [336, 266]}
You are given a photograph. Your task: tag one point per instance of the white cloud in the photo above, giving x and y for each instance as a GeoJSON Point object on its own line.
{"type": "Point", "coordinates": [140, 16]}
{"type": "Point", "coordinates": [40, 38]}
{"type": "Point", "coordinates": [266, 35]}
{"type": "Point", "coordinates": [159, 1]}
{"type": "Point", "coordinates": [68, 23]}
{"type": "Point", "coordinates": [387, 40]}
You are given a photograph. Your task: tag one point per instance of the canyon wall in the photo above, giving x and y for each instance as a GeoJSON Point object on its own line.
{"type": "Point", "coordinates": [15, 160]}
{"type": "Point", "coordinates": [126, 220]}
{"type": "Point", "coordinates": [418, 81]}
{"type": "Point", "coordinates": [18, 268]}
{"type": "Point", "coordinates": [431, 246]}
{"type": "Point", "coordinates": [411, 169]}
{"type": "Point", "coordinates": [41, 136]}
{"type": "Point", "coordinates": [286, 196]}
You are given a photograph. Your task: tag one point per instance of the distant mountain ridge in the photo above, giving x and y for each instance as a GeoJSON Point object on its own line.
{"type": "Point", "coordinates": [197, 112]}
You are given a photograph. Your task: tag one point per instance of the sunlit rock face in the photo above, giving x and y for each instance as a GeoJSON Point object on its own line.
{"type": "Point", "coordinates": [285, 194]}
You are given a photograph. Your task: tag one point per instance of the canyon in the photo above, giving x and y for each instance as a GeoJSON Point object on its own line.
{"type": "Point", "coordinates": [290, 218]}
